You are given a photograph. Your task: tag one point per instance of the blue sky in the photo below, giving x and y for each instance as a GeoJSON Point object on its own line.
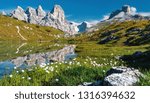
{"type": "Point", "coordinates": [79, 10]}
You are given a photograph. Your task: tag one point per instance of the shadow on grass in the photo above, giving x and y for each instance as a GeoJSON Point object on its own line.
{"type": "Point", "coordinates": [139, 60]}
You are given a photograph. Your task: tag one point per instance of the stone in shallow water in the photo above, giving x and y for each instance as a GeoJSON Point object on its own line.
{"type": "Point", "coordinates": [122, 76]}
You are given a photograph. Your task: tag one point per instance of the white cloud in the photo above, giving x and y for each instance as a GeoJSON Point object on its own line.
{"type": "Point", "coordinates": [93, 22]}
{"type": "Point", "coordinates": [105, 17]}
{"type": "Point", "coordinates": [144, 13]}
{"type": "Point", "coordinates": [133, 10]}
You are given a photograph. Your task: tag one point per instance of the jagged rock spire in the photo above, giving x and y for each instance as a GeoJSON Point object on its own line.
{"type": "Point", "coordinates": [58, 12]}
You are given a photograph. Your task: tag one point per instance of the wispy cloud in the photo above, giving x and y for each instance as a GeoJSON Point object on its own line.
{"type": "Point", "coordinates": [6, 10]}
{"type": "Point", "coordinates": [144, 13]}
{"type": "Point", "coordinates": [68, 16]}
{"type": "Point", "coordinates": [93, 22]}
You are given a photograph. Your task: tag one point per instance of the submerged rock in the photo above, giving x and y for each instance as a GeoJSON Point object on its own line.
{"type": "Point", "coordinates": [122, 76]}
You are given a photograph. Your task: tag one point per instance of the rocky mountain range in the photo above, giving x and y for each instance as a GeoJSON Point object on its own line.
{"type": "Point", "coordinates": [55, 18]}
{"type": "Point", "coordinates": [127, 13]}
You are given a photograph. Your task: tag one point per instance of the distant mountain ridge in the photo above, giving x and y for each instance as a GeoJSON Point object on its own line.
{"type": "Point", "coordinates": [127, 13]}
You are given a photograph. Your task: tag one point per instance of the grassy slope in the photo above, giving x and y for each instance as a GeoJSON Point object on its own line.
{"type": "Point", "coordinates": [31, 32]}
{"type": "Point", "coordinates": [123, 31]}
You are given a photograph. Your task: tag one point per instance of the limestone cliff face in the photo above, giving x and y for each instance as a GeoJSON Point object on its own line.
{"type": "Point", "coordinates": [55, 18]}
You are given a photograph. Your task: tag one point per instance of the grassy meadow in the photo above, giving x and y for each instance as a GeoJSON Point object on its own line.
{"type": "Point", "coordinates": [92, 62]}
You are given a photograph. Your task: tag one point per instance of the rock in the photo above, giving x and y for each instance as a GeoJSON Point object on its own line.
{"type": "Point", "coordinates": [96, 83]}
{"type": "Point", "coordinates": [55, 18]}
{"type": "Point", "coordinates": [126, 9]}
{"type": "Point", "coordinates": [58, 13]}
{"type": "Point", "coordinates": [32, 15]}
{"type": "Point", "coordinates": [138, 54]}
{"type": "Point", "coordinates": [121, 76]}
{"type": "Point", "coordinates": [127, 13]}
{"type": "Point", "coordinates": [84, 26]}
{"type": "Point", "coordinates": [40, 12]}
{"type": "Point", "coordinates": [19, 14]}
{"type": "Point", "coordinates": [107, 39]}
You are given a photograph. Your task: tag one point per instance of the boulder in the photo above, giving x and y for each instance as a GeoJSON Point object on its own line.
{"type": "Point", "coordinates": [121, 76]}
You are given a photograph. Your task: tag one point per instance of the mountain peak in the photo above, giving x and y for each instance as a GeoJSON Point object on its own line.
{"type": "Point", "coordinates": [124, 13]}
{"type": "Point", "coordinates": [126, 9]}
{"type": "Point", "coordinates": [58, 12]}
{"type": "Point", "coordinates": [40, 7]}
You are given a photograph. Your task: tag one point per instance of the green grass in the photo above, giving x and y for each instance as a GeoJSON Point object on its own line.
{"type": "Point", "coordinates": [9, 50]}
{"type": "Point", "coordinates": [123, 30]}
{"type": "Point", "coordinates": [31, 32]}
{"type": "Point", "coordinates": [61, 74]}
{"type": "Point", "coordinates": [91, 64]}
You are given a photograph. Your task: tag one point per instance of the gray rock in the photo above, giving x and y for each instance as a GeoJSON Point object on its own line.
{"type": "Point", "coordinates": [32, 15]}
{"type": "Point", "coordinates": [138, 54]}
{"type": "Point", "coordinates": [122, 76]}
{"type": "Point", "coordinates": [58, 13]}
{"type": "Point", "coordinates": [19, 14]}
{"type": "Point", "coordinates": [96, 83]}
{"type": "Point", "coordinates": [40, 12]}
{"type": "Point", "coordinates": [55, 18]}
{"type": "Point", "coordinates": [83, 26]}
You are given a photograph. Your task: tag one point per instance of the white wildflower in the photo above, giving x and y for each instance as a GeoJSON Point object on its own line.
{"type": "Point", "coordinates": [22, 71]}
{"type": "Point", "coordinates": [56, 80]}
{"type": "Point", "coordinates": [29, 78]}
{"type": "Point", "coordinates": [10, 76]}
{"type": "Point", "coordinates": [15, 67]}
{"type": "Point", "coordinates": [42, 65]}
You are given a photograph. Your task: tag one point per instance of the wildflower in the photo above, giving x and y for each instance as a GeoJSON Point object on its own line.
{"type": "Point", "coordinates": [70, 63]}
{"type": "Point", "coordinates": [59, 63]}
{"type": "Point", "coordinates": [15, 67]}
{"type": "Point", "coordinates": [31, 69]}
{"type": "Point", "coordinates": [51, 69]}
{"type": "Point", "coordinates": [22, 71]}
{"type": "Point", "coordinates": [47, 71]}
{"type": "Point", "coordinates": [42, 65]}
{"type": "Point", "coordinates": [104, 71]}
{"type": "Point", "coordinates": [84, 62]}
{"type": "Point", "coordinates": [65, 62]}
{"type": "Point", "coordinates": [17, 71]}
{"type": "Point", "coordinates": [74, 59]}
{"type": "Point", "coordinates": [78, 63]}
{"type": "Point", "coordinates": [29, 78]}
{"type": "Point", "coordinates": [10, 76]}
{"type": "Point", "coordinates": [46, 68]}
{"type": "Point", "coordinates": [56, 80]}
{"type": "Point", "coordinates": [23, 77]}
